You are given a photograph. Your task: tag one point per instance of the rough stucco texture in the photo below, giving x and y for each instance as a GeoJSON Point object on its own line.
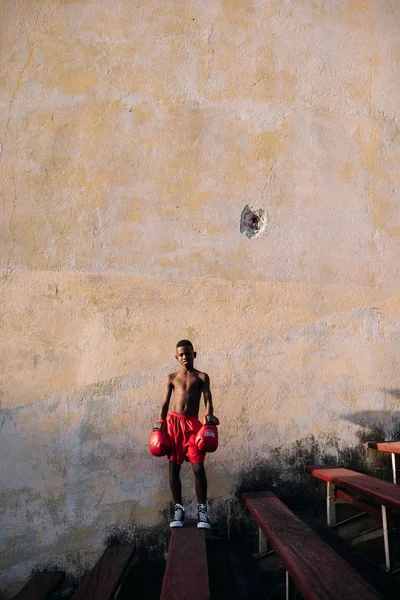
{"type": "Point", "coordinates": [132, 137]}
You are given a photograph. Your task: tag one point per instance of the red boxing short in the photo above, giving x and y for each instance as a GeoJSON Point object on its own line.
{"type": "Point", "coordinates": [182, 431]}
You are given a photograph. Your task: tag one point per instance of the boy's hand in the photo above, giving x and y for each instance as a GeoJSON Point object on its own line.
{"type": "Point", "coordinates": [211, 420]}
{"type": "Point", "coordinates": [159, 425]}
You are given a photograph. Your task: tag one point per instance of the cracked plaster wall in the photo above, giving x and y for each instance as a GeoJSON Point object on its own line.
{"type": "Point", "coordinates": [131, 139]}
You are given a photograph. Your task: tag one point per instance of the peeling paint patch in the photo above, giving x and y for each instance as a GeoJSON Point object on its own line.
{"type": "Point", "coordinates": [253, 221]}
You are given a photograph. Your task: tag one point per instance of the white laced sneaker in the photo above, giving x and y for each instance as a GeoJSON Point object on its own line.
{"type": "Point", "coordinates": [202, 521]}
{"type": "Point", "coordinates": [179, 516]}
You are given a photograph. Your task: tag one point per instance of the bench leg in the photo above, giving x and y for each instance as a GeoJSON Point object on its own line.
{"type": "Point", "coordinates": [291, 592]}
{"type": "Point", "coordinates": [386, 538]}
{"type": "Point", "coordinates": [394, 467]}
{"type": "Point", "coordinates": [330, 504]}
{"type": "Point", "coordinates": [262, 542]}
{"type": "Point", "coordinates": [264, 549]}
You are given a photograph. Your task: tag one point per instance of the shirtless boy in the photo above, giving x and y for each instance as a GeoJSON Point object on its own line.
{"type": "Point", "coordinates": [180, 409]}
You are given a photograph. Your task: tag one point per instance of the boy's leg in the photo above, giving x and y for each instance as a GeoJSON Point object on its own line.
{"type": "Point", "coordinates": [176, 489]}
{"type": "Point", "coordinates": [200, 482]}
{"type": "Point", "coordinates": [201, 491]}
{"type": "Point", "coordinates": [175, 482]}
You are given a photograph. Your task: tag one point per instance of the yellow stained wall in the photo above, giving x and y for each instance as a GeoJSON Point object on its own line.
{"type": "Point", "coordinates": [132, 136]}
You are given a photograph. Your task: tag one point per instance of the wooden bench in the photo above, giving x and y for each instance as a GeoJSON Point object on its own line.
{"type": "Point", "coordinates": [370, 495]}
{"type": "Point", "coordinates": [40, 586]}
{"type": "Point", "coordinates": [186, 571]}
{"type": "Point", "coordinates": [384, 446]}
{"type": "Point", "coordinates": [104, 579]}
{"type": "Point", "coordinates": [392, 447]}
{"type": "Point", "coordinates": [317, 571]}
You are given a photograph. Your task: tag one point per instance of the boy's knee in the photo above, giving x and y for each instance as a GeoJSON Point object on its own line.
{"type": "Point", "coordinates": [198, 468]}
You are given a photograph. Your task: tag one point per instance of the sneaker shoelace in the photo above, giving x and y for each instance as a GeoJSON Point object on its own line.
{"type": "Point", "coordinates": [203, 513]}
{"type": "Point", "coordinates": [178, 513]}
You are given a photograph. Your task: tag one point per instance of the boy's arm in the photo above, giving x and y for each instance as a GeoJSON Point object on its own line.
{"type": "Point", "coordinates": [207, 395]}
{"type": "Point", "coordinates": [166, 398]}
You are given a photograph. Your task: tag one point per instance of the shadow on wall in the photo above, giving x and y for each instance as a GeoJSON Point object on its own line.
{"type": "Point", "coordinates": [282, 471]}
{"type": "Point", "coordinates": [379, 425]}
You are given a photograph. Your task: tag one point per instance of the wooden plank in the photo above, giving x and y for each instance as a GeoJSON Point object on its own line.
{"type": "Point", "coordinates": [375, 490]}
{"type": "Point", "coordinates": [384, 446]}
{"type": "Point", "coordinates": [186, 572]}
{"type": "Point", "coordinates": [103, 579]}
{"type": "Point", "coordinates": [318, 572]}
{"type": "Point", "coordinates": [363, 506]}
{"type": "Point", "coordinates": [40, 586]}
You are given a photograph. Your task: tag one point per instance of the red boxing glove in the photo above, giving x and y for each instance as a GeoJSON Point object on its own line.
{"type": "Point", "coordinates": [159, 444]}
{"type": "Point", "coordinates": [207, 438]}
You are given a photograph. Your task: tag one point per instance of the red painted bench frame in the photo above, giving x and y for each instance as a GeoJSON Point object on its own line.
{"type": "Point", "coordinates": [384, 446]}
{"type": "Point", "coordinates": [318, 572]}
{"type": "Point", "coordinates": [40, 585]}
{"type": "Point", "coordinates": [105, 577]}
{"type": "Point", "coordinates": [186, 571]}
{"type": "Point", "coordinates": [392, 447]}
{"type": "Point", "coordinates": [374, 490]}
{"type": "Point", "coordinates": [376, 497]}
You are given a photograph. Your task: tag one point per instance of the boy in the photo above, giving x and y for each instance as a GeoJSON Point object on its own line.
{"type": "Point", "coordinates": [181, 415]}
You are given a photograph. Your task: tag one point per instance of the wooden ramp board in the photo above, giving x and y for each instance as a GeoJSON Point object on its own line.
{"type": "Point", "coordinates": [186, 572]}
{"type": "Point", "coordinates": [103, 579]}
{"type": "Point", "coordinates": [384, 446]}
{"type": "Point", "coordinates": [318, 572]}
{"type": "Point", "coordinates": [40, 586]}
{"type": "Point", "coordinates": [376, 490]}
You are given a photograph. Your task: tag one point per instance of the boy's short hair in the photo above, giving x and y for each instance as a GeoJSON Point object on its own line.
{"type": "Point", "coordinates": [184, 343]}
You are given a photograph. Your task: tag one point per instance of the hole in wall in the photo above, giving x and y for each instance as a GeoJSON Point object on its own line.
{"type": "Point", "coordinates": [252, 221]}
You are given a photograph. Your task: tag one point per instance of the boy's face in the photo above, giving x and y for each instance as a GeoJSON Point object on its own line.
{"type": "Point", "coordinates": [185, 356]}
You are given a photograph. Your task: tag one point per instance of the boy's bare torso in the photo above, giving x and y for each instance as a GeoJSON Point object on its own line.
{"type": "Point", "coordinates": [187, 388]}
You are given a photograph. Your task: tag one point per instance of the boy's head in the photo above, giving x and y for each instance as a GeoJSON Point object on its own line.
{"type": "Point", "coordinates": [185, 353]}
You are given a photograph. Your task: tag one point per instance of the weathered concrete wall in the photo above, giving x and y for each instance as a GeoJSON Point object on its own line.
{"type": "Point", "coordinates": [132, 138]}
